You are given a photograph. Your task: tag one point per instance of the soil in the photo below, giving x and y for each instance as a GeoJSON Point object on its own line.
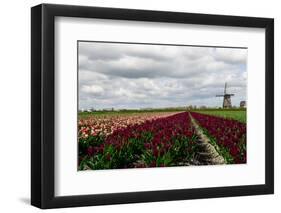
{"type": "Point", "coordinates": [207, 155]}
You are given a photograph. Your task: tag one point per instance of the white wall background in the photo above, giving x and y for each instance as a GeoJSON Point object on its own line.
{"type": "Point", "coordinates": [15, 105]}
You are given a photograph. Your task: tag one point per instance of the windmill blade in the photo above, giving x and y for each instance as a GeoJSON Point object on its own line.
{"type": "Point", "coordinates": [219, 95]}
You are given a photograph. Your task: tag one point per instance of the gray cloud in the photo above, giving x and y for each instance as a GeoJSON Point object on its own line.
{"type": "Point", "coordinates": [139, 76]}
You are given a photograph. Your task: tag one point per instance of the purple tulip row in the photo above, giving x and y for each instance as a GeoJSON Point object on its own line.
{"type": "Point", "coordinates": [230, 135]}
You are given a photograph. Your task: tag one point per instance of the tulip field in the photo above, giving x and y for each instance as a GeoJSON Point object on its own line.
{"type": "Point", "coordinates": [155, 139]}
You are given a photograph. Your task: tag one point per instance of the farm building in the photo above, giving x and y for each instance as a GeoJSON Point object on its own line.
{"type": "Point", "coordinates": [242, 104]}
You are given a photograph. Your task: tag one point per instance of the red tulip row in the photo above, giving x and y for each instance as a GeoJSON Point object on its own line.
{"type": "Point", "coordinates": [229, 135]}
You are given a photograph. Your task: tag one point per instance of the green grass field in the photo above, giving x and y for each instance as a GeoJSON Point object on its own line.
{"type": "Point", "coordinates": [239, 115]}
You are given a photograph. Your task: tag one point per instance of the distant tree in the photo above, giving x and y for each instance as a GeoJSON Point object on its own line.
{"type": "Point", "coordinates": [189, 107]}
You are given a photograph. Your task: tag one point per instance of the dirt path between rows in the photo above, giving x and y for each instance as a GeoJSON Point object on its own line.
{"type": "Point", "coordinates": [207, 154]}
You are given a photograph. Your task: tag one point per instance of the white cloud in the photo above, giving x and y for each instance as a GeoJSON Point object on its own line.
{"type": "Point", "coordinates": [93, 89]}
{"type": "Point", "coordinates": [230, 55]}
{"type": "Point", "coordinates": [138, 76]}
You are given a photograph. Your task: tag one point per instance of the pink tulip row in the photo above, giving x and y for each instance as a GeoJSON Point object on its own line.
{"type": "Point", "coordinates": [107, 124]}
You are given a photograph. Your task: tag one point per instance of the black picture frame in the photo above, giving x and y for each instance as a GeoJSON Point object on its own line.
{"type": "Point", "coordinates": [43, 105]}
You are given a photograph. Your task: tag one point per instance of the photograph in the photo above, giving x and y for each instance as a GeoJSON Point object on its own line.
{"type": "Point", "coordinates": [160, 105]}
{"type": "Point", "coordinates": [139, 105]}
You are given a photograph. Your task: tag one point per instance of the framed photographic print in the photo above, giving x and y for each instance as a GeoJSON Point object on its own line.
{"type": "Point", "coordinates": [140, 106]}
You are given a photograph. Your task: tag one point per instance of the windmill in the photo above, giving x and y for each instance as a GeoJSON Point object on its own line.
{"type": "Point", "coordinates": [226, 98]}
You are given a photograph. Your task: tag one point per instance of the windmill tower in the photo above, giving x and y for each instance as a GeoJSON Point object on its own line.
{"type": "Point", "coordinates": [226, 98]}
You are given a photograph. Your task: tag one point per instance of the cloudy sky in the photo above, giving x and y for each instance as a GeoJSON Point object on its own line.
{"type": "Point", "coordinates": [137, 76]}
